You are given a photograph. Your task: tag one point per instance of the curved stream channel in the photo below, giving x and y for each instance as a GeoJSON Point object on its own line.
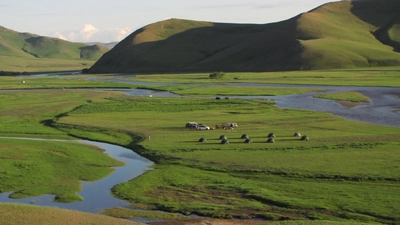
{"type": "Point", "coordinates": [97, 195]}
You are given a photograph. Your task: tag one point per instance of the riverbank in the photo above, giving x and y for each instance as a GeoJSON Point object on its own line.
{"type": "Point", "coordinates": [96, 195]}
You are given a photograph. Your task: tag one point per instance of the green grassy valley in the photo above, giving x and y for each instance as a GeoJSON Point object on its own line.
{"type": "Point", "coordinates": [345, 34]}
{"type": "Point", "coordinates": [281, 165]}
{"type": "Point", "coordinates": [21, 52]}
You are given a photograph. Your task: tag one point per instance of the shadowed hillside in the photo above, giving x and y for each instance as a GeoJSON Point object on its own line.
{"type": "Point", "coordinates": [341, 34]}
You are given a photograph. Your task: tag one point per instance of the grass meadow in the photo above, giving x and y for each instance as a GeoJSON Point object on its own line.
{"type": "Point", "coordinates": [347, 171]}
{"type": "Point", "coordinates": [383, 76]}
{"type": "Point", "coordinates": [30, 64]}
{"type": "Point", "coordinates": [59, 82]}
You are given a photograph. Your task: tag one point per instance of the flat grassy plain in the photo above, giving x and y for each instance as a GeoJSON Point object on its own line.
{"type": "Point", "coordinates": [30, 64]}
{"type": "Point", "coordinates": [386, 76]}
{"type": "Point", "coordinates": [348, 171]}
{"type": "Point", "coordinates": [199, 90]}
{"type": "Point", "coordinates": [58, 82]}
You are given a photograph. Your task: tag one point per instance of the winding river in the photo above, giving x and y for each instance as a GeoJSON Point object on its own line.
{"type": "Point", "coordinates": [97, 195]}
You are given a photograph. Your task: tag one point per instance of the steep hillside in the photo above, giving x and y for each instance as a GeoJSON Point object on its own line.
{"type": "Point", "coordinates": [341, 34]}
{"type": "Point", "coordinates": [348, 34]}
{"type": "Point", "coordinates": [24, 51]}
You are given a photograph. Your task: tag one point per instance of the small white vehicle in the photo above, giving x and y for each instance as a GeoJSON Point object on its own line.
{"type": "Point", "coordinates": [202, 127]}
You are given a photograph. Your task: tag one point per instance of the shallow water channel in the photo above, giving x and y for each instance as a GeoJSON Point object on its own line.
{"type": "Point", "coordinates": [97, 195]}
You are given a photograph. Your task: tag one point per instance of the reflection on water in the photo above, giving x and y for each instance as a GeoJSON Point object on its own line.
{"type": "Point", "coordinates": [97, 195]}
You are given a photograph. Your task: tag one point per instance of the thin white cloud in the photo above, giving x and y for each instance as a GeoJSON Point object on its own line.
{"type": "Point", "coordinates": [60, 36]}
{"type": "Point", "coordinates": [89, 33]}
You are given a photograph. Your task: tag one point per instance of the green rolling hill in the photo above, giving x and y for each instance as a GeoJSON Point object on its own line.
{"type": "Point", "coordinates": [29, 52]}
{"type": "Point", "coordinates": [345, 34]}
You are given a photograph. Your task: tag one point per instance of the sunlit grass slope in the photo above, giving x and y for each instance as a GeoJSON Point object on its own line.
{"type": "Point", "coordinates": [341, 34]}
{"type": "Point", "coordinates": [337, 35]}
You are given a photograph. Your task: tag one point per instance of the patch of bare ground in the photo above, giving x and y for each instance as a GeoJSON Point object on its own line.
{"type": "Point", "coordinates": [201, 221]}
{"type": "Point", "coordinates": [348, 104]}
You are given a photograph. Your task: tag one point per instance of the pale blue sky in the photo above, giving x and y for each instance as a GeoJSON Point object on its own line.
{"type": "Point", "coordinates": [106, 21]}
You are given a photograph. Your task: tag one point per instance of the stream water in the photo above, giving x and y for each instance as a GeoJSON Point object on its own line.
{"type": "Point", "coordinates": [97, 195]}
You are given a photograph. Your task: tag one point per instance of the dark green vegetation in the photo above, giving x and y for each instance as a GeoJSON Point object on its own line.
{"type": "Point", "coordinates": [216, 75]}
{"type": "Point", "coordinates": [13, 214]}
{"type": "Point", "coordinates": [29, 52]}
{"type": "Point", "coordinates": [345, 34]}
{"type": "Point", "coordinates": [347, 170]}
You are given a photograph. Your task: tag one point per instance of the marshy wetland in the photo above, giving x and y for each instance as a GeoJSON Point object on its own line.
{"type": "Point", "coordinates": [348, 170]}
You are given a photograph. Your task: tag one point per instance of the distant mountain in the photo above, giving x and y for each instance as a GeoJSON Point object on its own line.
{"type": "Point", "coordinates": [345, 34]}
{"type": "Point", "coordinates": [13, 43]}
